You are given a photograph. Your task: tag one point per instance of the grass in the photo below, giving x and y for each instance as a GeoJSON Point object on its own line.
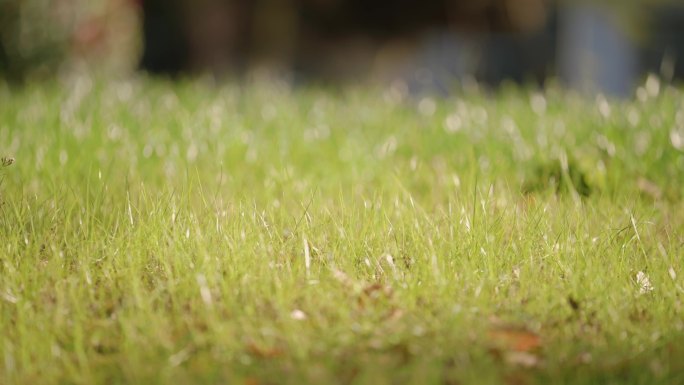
{"type": "Point", "coordinates": [182, 233]}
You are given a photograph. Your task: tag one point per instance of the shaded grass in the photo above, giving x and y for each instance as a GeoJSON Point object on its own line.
{"type": "Point", "coordinates": [157, 233]}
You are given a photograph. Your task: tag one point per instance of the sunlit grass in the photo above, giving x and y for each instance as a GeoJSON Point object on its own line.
{"type": "Point", "coordinates": [182, 233]}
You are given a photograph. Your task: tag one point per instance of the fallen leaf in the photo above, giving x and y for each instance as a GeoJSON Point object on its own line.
{"type": "Point", "coordinates": [516, 339]}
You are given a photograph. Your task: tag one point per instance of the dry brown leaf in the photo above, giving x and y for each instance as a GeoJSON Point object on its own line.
{"type": "Point", "coordinates": [516, 339]}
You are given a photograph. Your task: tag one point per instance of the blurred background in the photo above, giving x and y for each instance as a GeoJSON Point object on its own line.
{"type": "Point", "coordinates": [427, 45]}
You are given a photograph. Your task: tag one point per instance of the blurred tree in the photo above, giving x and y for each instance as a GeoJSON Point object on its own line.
{"type": "Point", "coordinates": [32, 37]}
{"type": "Point", "coordinates": [38, 37]}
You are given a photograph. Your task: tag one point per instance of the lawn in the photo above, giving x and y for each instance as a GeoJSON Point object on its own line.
{"type": "Point", "coordinates": [183, 233]}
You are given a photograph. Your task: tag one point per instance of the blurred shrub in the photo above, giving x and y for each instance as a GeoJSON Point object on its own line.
{"type": "Point", "coordinates": [33, 37]}
{"type": "Point", "coordinates": [40, 37]}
